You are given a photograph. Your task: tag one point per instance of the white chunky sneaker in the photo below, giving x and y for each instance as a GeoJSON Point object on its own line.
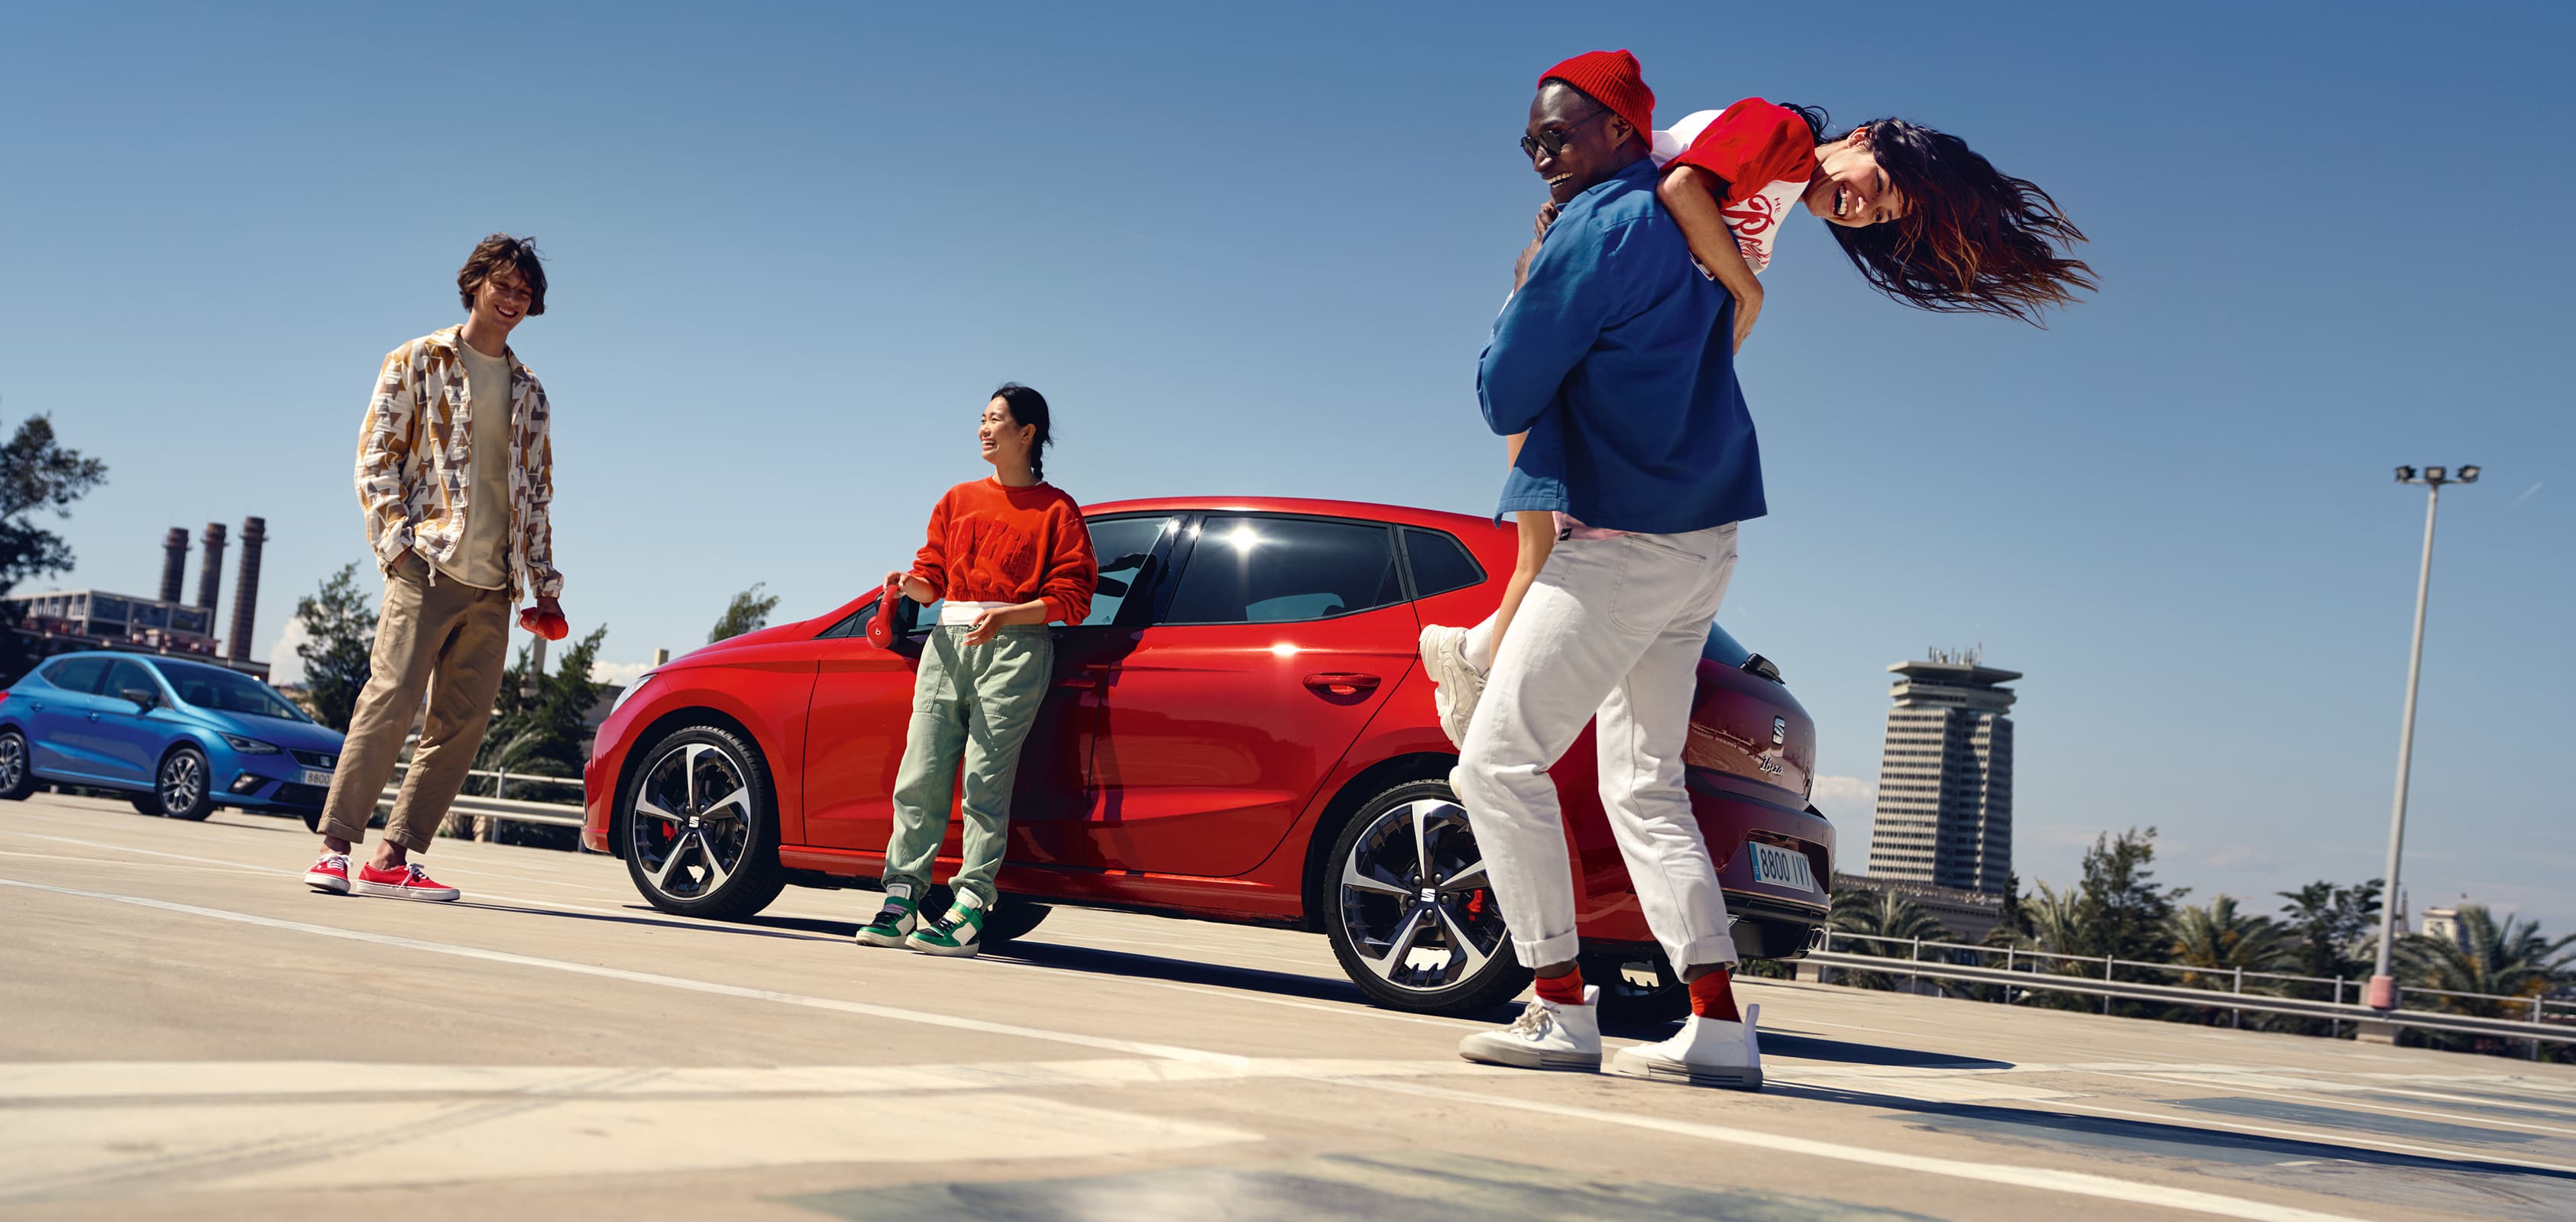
{"type": "Point", "coordinates": [1708, 1052]}
{"type": "Point", "coordinates": [1459, 683]}
{"type": "Point", "coordinates": [1545, 1036]}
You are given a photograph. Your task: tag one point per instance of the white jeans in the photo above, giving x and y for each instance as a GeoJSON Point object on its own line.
{"type": "Point", "coordinates": [1612, 628]}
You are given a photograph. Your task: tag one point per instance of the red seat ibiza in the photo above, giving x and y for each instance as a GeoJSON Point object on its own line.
{"type": "Point", "coordinates": [1240, 731]}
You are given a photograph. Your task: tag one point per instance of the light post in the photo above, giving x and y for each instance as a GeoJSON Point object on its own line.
{"type": "Point", "coordinates": [2383, 987]}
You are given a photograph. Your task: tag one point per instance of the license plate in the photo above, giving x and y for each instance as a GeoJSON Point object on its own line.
{"type": "Point", "coordinates": [1782, 867]}
{"type": "Point", "coordinates": [317, 776]}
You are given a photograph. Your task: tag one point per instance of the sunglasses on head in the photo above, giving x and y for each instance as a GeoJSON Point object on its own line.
{"type": "Point", "coordinates": [1554, 141]}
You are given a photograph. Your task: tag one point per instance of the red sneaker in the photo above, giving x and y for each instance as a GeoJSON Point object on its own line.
{"type": "Point", "coordinates": [331, 874]}
{"type": "Point", "coordinates": [403, 882]}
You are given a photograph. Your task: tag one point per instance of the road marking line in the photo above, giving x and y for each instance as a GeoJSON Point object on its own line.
{"type": "Point", "coordinates": [2334, 1097]}
{"type": "Point", "coordinates": [2074, 1183]}
{"type": "Point", "coordinates": [2209, 1121]}
{"type": "Point", "coordinates": [895, 1013]}
{"type": "Point", "coordinates": [463, 864]}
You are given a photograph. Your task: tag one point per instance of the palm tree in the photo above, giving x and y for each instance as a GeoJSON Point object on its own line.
{"type": "Point", "coordinates": [2481, 956]}
{"type": "Point", "coordinates": [1881, 914]}
{"type": "Point", "coordinates": [2220, 942]}
{"type": "Point", "coordinates": [2057, 927]}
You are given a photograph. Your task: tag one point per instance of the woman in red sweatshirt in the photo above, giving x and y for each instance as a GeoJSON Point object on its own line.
{"type": "Point", "coordinates": [1007, 555]}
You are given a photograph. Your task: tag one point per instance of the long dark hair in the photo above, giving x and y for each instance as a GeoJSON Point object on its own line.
{"type": "Point", "coordinates": [1029, 407]}
{"type": "Point", "coordinates": [1973, 239]}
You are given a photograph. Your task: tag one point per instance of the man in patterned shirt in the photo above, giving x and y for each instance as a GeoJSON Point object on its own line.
{"type": "Point", "coordinates": [456, 477]}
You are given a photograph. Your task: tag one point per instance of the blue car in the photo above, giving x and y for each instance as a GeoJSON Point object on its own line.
{"type": "Point", "coordinates": [181, 737]}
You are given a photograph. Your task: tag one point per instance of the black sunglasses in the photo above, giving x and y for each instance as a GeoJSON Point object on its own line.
{"type": "Point", "coordinates": [1554, 142]}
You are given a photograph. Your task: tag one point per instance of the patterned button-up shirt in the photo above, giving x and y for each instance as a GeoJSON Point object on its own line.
{"type": "Point", "coordinates": [416, 463]}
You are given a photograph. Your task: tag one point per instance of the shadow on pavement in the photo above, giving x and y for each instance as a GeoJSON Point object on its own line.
{"type": "Point", "coordinates": [1185, 971]}
{"type": "Point", "coordinates": [1817, 1048]}
{"type": "Point", "coordinates": [792, 928]}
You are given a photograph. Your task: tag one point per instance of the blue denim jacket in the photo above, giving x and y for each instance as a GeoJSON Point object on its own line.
{"type": "Point", "coordinates": [1617, 357]}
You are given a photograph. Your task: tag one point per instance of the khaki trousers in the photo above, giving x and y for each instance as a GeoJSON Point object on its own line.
{"type": "Point", "coordinates": [453, 640]}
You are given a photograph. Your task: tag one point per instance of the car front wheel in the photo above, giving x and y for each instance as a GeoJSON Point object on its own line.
{"type": "Point", "coordinates": [702, 828]}
{"type": "Point", "coordinates": [179, 790]}
{"type": "Point", "coordinates": [1409, 910]}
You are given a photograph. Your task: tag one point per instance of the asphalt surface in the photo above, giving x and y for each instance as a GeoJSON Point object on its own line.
{"type": "Point", "coordinates": [186, 1031]}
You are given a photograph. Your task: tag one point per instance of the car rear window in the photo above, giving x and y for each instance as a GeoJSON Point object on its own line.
{"type": "Point", "coordinates": [1440, 563]}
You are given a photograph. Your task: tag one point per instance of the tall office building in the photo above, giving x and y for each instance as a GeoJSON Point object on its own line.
{"type": "Point", "coordinates": [1945, 776]}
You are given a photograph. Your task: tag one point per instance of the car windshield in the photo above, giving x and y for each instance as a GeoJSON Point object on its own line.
{"type": "Point", "coordinates": [227, 691]}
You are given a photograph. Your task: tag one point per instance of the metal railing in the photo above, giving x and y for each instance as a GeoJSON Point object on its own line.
{"type": "Point", "coordinates": [488, 809]}
{"type": "Point", "coordinates": [2014, 977]}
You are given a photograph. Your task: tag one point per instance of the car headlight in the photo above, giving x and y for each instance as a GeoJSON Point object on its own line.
{"type": "Point", "coordinates": [629, 693]}
{"type": "Point", "coordinates": [248, 746]}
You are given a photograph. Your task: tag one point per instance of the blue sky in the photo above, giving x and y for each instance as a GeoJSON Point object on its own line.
{"type": "Point", "coordinates": [1255, 249]}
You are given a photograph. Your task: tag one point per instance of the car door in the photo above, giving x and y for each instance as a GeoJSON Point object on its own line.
{"type": "Point", "coordinates": [862, 708]}
{"type": "Point", "coordinates": [130, 736]}
{"type": "Point", "coordinates": [1278, 639]}
{"type": "Point", "coordinates": [59, 733]}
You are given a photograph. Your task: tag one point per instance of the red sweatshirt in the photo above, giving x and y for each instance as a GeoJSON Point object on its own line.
{"type": "Point", "coordinates": [995, 544]}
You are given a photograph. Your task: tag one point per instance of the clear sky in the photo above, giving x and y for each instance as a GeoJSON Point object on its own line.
{"type": "Point", "coordinates": [1256, 249]}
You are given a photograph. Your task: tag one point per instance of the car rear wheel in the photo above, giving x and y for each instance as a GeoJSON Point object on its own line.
{"type": "Point", "coordinates": [17, 780]}
{"type": "Point", "coordinates": [179, 790]}
{"type": "Point", "coordinates": [1408, 908]}
{"type": "Point", "coordinates": [702, 827]}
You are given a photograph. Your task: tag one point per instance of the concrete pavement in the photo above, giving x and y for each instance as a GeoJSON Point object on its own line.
{"type": "Point", "coordinates": [185, 1031]}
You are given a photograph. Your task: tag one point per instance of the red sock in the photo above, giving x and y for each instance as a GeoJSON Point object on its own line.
{"type": "Point", "coordinates": [1565, 990]}
{"type": "Point", "coordinates": [1711, 997]}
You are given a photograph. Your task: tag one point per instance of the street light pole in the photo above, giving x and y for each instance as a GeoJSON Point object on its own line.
{"type": "Point", "coordinates": [2383, 986]}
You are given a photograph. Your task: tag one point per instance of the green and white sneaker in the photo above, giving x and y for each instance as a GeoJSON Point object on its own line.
{"type": "Point", "coordinates": [954, 935]}
{"type": "Point", "coordinates": [894, 920]}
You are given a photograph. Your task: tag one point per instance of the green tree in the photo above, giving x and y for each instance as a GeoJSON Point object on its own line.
{"type": "Point", "coordinates": [37, 475]}
{"type": "Point", "coordinates": [2219, 941]}
{"type": "Point", "coordinates": [2329, 925]}
{"type": "Point", "coordinates": [748, 612]}
{"type": "Point", "coordinates": [339, 641]}
{"type": "Point", "coordinates": [2507, 959]}
{"type": "Point", "coordinates": [2120, 908]}
{"type": "Point", "coordinates": [1880, 914]}
{"type": "Point", "coordinates": [540, 732]}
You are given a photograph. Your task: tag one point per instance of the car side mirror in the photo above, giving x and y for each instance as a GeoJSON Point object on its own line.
{"type": "Point", "coordinates": [145, 700]}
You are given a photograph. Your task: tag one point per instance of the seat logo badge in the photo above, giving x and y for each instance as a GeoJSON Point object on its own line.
{"type": "Point", "coordinates": [1430, 895]}
{"type": "Point", "coordinates": [1779, 730]}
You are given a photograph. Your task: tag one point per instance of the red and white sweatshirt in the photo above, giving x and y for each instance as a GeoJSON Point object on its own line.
{"type": "Point", "coordinates": [1766, 154]}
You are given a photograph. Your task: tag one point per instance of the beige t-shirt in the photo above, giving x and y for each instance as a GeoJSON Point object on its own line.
{"type": "Point", "coordinates": [483, 555]}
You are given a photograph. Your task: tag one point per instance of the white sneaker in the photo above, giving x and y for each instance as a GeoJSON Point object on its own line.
{"type": "Point", "coordinates": [1545, 1036]}
{"type": "Point", "coordinates": [1458, 682]}
{"type": "Point", "coordinates": [1708, 1052]}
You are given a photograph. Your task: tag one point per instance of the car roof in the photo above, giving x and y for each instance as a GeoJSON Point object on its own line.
{"type": "Point", "coordinates": [1402, 515]}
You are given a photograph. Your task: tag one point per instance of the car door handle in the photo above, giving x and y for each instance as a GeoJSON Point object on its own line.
{"type": "Point", "coordinates": [93, 717]}
{"type": "Point", "coordinates": [1338, 683]}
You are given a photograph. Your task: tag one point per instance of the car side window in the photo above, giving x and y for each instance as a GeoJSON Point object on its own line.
{"type": "Point", "coordinates": [1440, 563]}
{"type": "Point", "coordinates": [1259, 570]}
{"type": "Point", "coordinates": [77, 674]}
{"type": "Point", "coordinates": [126, 676]}
{"type": "Point", "coordinates": [1123, 546]}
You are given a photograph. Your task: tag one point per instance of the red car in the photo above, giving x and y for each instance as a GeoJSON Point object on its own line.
{"type": "Point", "coordinates": [1240, 731]}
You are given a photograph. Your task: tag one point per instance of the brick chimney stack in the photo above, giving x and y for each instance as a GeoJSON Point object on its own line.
{"type": "Point", "coordinates": [210, 572]}
{"type": "Point", "coordinates": [246, 590]}
{"type": "Point", "coordinates": [174, 565]}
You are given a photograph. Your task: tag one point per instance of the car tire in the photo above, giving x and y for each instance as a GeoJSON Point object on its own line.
{"type": "Point", "coordinates": [1013, 918]}
{"type": "Point", "coordinates": [17, 768]}
{"type": "Point", "coordinates": [1379, 925]}
{"type": "Point", "coordinates": [1636, 988]}
{"type": "Point", "coordinates": [701, 826]}
{"type": "Point", "coordinates": [313, 821]}
{"type": "Point", "coordinates": [182, 788]}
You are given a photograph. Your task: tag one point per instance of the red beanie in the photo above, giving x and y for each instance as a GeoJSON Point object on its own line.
{"type": "Point", "coordinates": [1613, 79]}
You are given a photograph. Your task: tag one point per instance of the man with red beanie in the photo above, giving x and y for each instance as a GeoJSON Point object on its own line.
{"type": "Point", "coordinates": [1615, 359]}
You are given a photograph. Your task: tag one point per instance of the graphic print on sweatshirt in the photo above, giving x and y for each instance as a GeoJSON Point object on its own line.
{"type": "Point", "coordinates": [1766, 154]}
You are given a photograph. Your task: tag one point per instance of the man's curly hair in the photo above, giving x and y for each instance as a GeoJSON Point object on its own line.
{"type": "Point", "coordinates": [498, 251]}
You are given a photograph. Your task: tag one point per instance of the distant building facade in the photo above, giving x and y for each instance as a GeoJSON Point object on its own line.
{"type": "Point", "coordinates": [1968, 915]}
{"type": "Point", "coordinates": [67, 621]}
{"type": "Point", "coordinates": [1945, 777]}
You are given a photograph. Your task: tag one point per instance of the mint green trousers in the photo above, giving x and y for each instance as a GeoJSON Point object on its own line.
{"type": "Point", "coordinates": [972, 704]}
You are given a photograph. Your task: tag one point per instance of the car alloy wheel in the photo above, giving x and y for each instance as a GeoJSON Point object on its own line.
{"type": "Point", "coordinates": [1412, 911]}
{"type": "Point", "coordinates": [180, 786]}
{"type": "Point", "coordinates": [691, 820]}
{"type": "Point", "coordinates": [15, 782]}
{"type": "Point", "coordinates": [699, 834]}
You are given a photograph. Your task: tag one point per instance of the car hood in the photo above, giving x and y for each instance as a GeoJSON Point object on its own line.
{"type": "Point", "coordinates": [297, 735]}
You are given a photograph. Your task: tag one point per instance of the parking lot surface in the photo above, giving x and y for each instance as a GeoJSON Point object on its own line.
{"type": "Point", "coordinates": [186, 1031]}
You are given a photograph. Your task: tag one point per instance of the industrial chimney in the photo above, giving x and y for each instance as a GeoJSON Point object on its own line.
{"type": "Point", "coordinates": [246, 590]}
{"type": "Point", "coordinates": [174, 565]}
{"type": "Point", "coordinates": [210, 571]}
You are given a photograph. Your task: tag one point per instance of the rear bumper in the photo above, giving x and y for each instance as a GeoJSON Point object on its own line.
{"type": "Point", "coordinates": [1771, 920]}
